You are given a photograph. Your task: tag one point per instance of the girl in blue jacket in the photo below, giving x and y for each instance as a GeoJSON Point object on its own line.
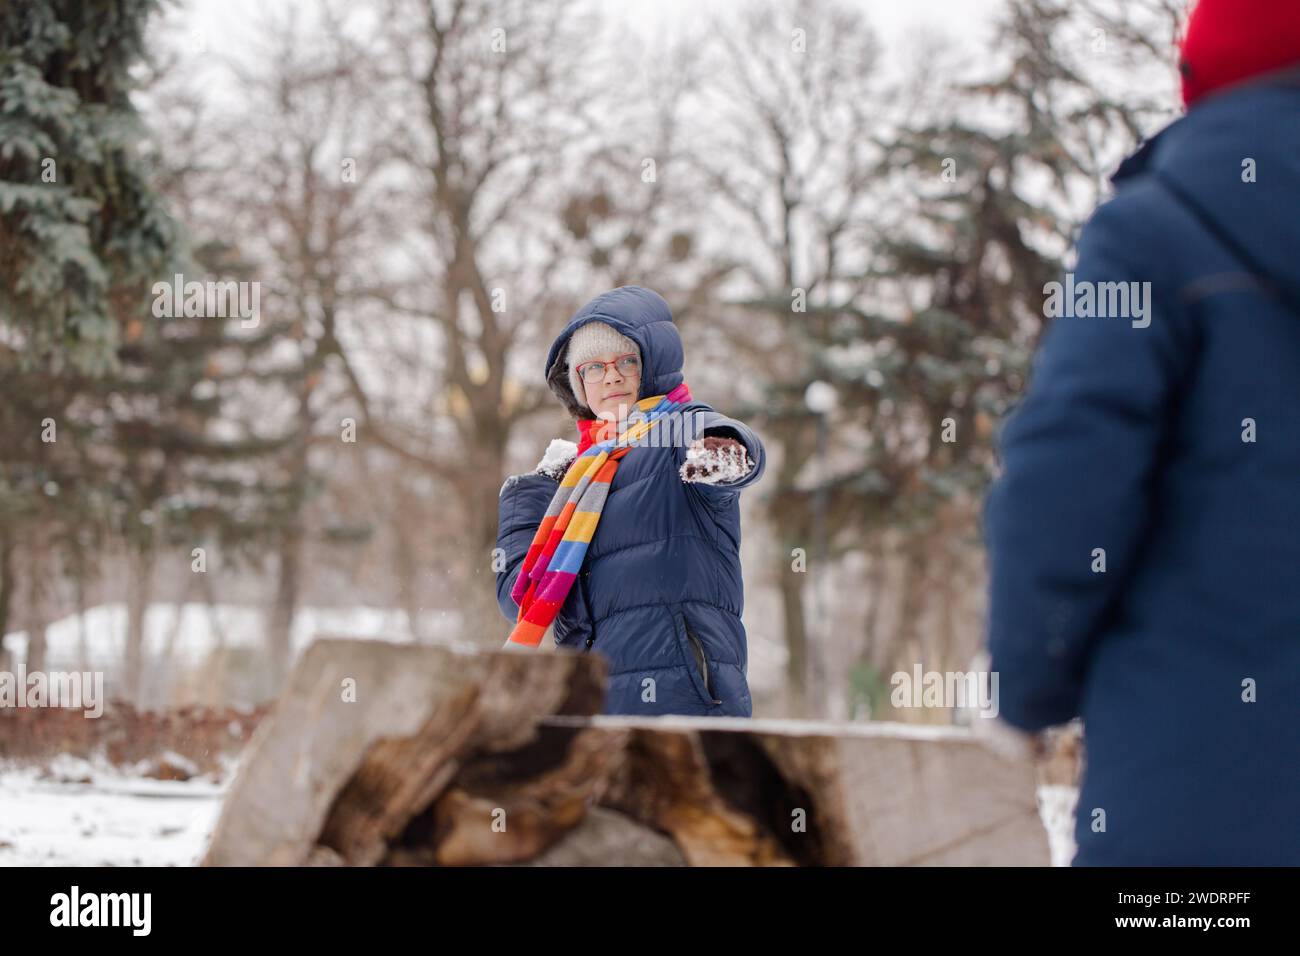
{"type": "Point", "coordinates": [638, 553]}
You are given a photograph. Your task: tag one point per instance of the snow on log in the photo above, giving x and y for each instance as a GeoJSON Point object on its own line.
{"type": "Point", "coordinates": [393, 754]}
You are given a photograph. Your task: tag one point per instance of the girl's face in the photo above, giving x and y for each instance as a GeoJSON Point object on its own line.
{"type": "Point", "coordinates": [611, 393]}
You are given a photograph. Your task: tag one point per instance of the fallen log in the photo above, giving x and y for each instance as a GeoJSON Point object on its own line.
{"type": "Point", "coordinates": [388, 754]}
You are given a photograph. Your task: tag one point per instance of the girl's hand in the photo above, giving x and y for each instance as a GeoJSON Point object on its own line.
{"type": "Point", "coordinates": [713, 460]}
{"type": "Point", "coordinates": [559, 456]}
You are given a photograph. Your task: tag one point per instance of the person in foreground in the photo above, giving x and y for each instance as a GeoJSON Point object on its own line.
{"type": "Point", "coordinates": [1144, 536]}
{"type": "Point", "coordinates": [627, 543]}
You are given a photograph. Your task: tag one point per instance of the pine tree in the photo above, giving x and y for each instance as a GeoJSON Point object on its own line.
{"type": "Point", "coordinates": [999, 187]}
{"type": "Point", "coordinates": [109, 402]}
{"type": "Point", "coordinates": [976, 201]}
{"type": "Point", "coordinates": [81, 234]}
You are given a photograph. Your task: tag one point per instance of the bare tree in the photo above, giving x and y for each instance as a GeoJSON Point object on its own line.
{"type": "Point", "coordinates": [526, 192]}
{"type": "Point", "coordinates": [792, 160]}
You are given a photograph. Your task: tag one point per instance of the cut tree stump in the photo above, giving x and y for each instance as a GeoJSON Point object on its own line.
{"type": "Point", "coordinates": [454, 755]}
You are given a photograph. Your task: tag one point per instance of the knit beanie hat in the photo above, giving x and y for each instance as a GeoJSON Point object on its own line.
{"type": "Point", "coordinates": [588, 342]}
{"type": "Point", "coordinates": [1230, 41]}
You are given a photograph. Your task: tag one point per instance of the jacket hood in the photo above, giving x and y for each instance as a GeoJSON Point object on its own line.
{"type": "Point", "coordinates": [641, 315]}
{"type": "Point", "coordinates": [1201, 158]}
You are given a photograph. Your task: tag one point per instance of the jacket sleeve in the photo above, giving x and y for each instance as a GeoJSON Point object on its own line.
{"type": "Point", "coordinates": [522, 503]}
{"type": "Point", "coordinates": [1079, 455]}
{"type": "Point", "coordinates": [710, 422]}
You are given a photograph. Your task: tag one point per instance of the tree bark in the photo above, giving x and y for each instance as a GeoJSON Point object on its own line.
{"type": "Point", "coordinates": [6, 594]}
{"type": "Point", "coordinates": [795, 631]}
{"type": "Point", "coordinates": [139, 593]}
{"type": "Point", "coordinates": [284, 608]}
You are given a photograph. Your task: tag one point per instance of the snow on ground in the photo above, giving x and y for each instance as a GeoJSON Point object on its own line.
{"type": "Point", "coordinates": [1056, 804]}
{"type": "Point", "coordinates": [78, 813]}
{"type": "Point", "coordinates": [100, 639]}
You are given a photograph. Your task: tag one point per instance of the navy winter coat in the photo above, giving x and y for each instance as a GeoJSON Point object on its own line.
{"type": "Point", "coordinates": [1176, 449]}
{"type": "Point", "coordinates": [660, 591]}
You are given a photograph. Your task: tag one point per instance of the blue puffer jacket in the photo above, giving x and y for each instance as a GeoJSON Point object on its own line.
{"type": "Point", "coordinates": [1176, 449]}
{"type": "Point", "coordinates": [660, 591]}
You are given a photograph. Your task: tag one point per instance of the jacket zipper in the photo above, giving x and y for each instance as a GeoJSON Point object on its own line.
{"type": "Point", "coordinates": [701, 658]}
{"type": "Point", "coordinates": [586, 600]}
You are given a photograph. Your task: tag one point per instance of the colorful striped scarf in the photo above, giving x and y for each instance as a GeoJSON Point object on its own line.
{"type": "Point", "coordinates": [555, 555]}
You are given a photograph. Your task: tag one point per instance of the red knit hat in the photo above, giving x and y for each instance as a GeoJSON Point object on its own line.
{"type": "Point", "coordinates": [1229, 41]}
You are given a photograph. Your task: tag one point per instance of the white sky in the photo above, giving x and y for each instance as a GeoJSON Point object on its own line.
{"type": "Point", "coordinates": [225, 23]}
{"type": "Point", "coordinates": [893, 18]}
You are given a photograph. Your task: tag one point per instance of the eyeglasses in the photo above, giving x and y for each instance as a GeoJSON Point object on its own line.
{"type": "Point", "coordinates": [628, 366]}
